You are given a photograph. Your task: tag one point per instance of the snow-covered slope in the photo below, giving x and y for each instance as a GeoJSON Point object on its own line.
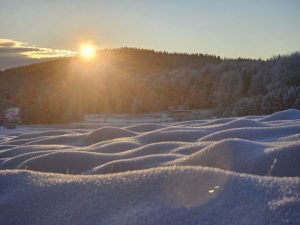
{"type": "Point", "coordinates": [223, 171]}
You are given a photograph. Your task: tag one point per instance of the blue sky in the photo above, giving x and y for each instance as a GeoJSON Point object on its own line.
{"type": "Point", "coordinates": [231, 28]}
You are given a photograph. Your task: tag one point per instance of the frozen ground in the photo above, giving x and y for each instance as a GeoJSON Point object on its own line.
{"type": "Point", "coordinates": [223, 171]}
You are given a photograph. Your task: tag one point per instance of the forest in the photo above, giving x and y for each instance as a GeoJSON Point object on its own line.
{"type": "Point", "coordinates": [130, 80]}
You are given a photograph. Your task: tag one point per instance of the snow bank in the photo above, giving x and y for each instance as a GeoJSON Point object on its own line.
{"type": "Point", "coordinates": [223, 171]}
{"type": "Point", "coordinates": [174, 195]}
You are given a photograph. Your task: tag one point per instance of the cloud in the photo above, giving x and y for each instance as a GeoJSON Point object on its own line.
{"type": "Point", "coordinates": [20, 50]}
{"type": "Point", "coordinates": [8, 46]}
{"type": "Point", "coordinates": [16, 53]}
{"type": "Point", "coordinates": [48, 53]}
{"type": "Point", "coordinates": [8, 43]}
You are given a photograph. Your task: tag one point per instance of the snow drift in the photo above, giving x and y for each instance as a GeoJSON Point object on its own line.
{"type": "Point", "coordinates": [223, 171]}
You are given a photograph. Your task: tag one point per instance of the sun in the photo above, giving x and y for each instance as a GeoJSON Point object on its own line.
{"type": "Point", "coordinates": [87, 51]}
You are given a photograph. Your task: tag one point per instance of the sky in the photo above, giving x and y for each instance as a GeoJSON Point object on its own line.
{"type": "Point", "coordinates": [33, 30]}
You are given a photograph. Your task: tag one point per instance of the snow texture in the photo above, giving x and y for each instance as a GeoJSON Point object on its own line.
{"type": "Point", "coordinates": [223, 171]}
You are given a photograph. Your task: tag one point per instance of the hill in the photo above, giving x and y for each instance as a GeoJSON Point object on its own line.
{"type": "Point", "coordinates": [138, 80]}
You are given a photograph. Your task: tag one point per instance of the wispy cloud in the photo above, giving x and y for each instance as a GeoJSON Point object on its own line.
{"type": "Point", "coordinates": [8, 46]}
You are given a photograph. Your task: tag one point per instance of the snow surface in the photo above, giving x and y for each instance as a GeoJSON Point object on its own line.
{"type": "Point", "coordinates": [223, 171]}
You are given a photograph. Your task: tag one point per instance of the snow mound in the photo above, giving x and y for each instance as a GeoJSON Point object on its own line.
{"type": "Point", "coordinates": [73, 162]}
{"type": "Point", "coordinates": [223, 171]}
{"type": "Point", "coordinates": [238, 123]}
{"type": "Point", "coordinates": [228, 154]}
{"type": "Point", "coordinates": [145, 127]}
{"type": "Point", "coordinates": [218, 121]}
{"type": "Point", "coordinates": [68, 140]}
{"type": "Point", "coordinates": [290, 114]}
{"type": "Point", "coordinates": [40, 134]}
{"type": "Point", "coordinates": [177, 195]}
{"type": "Point", "coordinates": [139, 163]}
{"type": "Point", "coordinates": [261, 133]}
{"type": "Point", "coordinates": [152, 149]}
{"type": "Point", "coordinates": [250, 157]}
{"type": "Point", "coordinates": [106, 133]}
{"type": "Point", "coordinates": [114, 147]}
{"type": "Point", "coordinates": [182, 135]}
{"type": "Point", "coordinates": [19, 150]}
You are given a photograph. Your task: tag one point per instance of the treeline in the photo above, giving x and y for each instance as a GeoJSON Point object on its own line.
{"type": "Point", "coordinates": [137, 80]}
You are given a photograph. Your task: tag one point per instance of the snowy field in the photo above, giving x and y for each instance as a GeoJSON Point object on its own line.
{"type": "Point", "coordinates": [223, 171]}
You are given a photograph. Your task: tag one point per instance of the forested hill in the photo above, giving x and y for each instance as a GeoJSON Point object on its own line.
{"type": "Point", "coordinates": [136, 80]}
